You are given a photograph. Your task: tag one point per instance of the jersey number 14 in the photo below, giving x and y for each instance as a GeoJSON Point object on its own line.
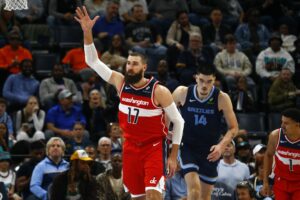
{"type": "Point", "coordinates": [200, 120]}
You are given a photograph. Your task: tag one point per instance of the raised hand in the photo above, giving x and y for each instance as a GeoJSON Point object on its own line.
{"type": "Point", "coordinates": [84, 19]}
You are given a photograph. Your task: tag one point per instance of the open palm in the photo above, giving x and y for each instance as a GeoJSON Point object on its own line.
{"type": "Point", "coordinates": [84, 19]}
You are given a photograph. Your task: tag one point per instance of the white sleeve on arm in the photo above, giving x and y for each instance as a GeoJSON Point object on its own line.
{"type": "Point", "coordinates": [91, 58]}
{"type": "Point", "coordinates": [178, 122]}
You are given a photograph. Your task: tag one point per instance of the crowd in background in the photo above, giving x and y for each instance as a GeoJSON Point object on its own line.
{"type": "Point", "coordinates": [254, 45]}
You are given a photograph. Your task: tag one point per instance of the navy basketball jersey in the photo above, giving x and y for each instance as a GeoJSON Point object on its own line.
{"type": "Point", "coordinates": [202, 127]}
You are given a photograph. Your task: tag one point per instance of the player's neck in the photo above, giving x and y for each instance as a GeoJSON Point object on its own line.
{"type": "Point", "coordinates": [294, 136]}
{"type": "Point", "coordinates": [141, 83]}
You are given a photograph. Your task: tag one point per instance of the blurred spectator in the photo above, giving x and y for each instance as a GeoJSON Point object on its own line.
{"type": "Point", "coordinates": [176, 186]}
{"type": "Point", "coordinates": [296, 57]}
{"type": "Point", "coordinates": [89, 81]}
{"type": "Point", "coordinates": [199, 13]}
{"type": "Point", "coordinates": [96, 167]}
{"type": "Point", "coordinates": [46, 170]}
{"type": "Point", "coordinates": [8, 23]}
{"type": "Point", "coordinates": [61, 13]}
{"type": "Point", "coordinates": [78, 141]}
{"type": "Point", "coordinates": [283, 92]}
{"type": "Point", "coordinates": [251, 35]}
{"type": "Point", "coordinates": [164, 13]}
{"type": "Point", "coordinates": [50, 87]}
{"type": "Point", "coordinates": [191, 58]}
{"type": "Point", "coordinates": [116, 56]}
{"type": "Point", "coordinates": [233, 64]}
{"type": "Point", "coordinates": [108, 25]}
{"type": "Point", "coordinates": [144, 38]}
{"type": "Point", "coordinates": [276, 12]}
{"type": "Point", "coordinates": [5, 118]}
{"type": "Point", "coordinates": [19, 87]}
{"type": "Point", "coordinates": [76, 182]}
{"type": "Point", "coordinates": [12, 54]}
{"type": "Point", "coordinates": [4, 137]}
{"type": "Point", "coordinates": [94, 111]}
{"type": "Point", "coordinates": [243, 153]}
{"type": "Point", "coordinates": [37, 153]}
{"type": "Point", "coordinates": [115, 134]}
{"type": "Point", "coordinates": [8, 176]}
{"type": "Point", "coordinates": [270, 62]}
{"type": "Point", "coordinates": [178, 37]}
{"type": "Point", "coordinates": [125, 10]}
{"type": "Point", "coordinates": [214, 33]}
{"type": "Point", "coordinates": [163, 76]}
{"type": "Point", "coordinates": [75, 59]}
{"type": "Point", "coordinates": [245, 191]}
{"type": "Point", "coordinates": [241, 97]}
{"type": "Point", "coordinates": [257, 178]}
{"type": "Point", "coordinates": [61, 118]}
{"type": "Point", "coordinates": [104, 151]}
{"type": "Point", "coordinates": [30, 121]}
{"type": "Point", "coordinates": [111, 182]}
{"type": "Point", "coordinates": [288, 39]}
{"type": "Point", "coordinates": [33, 14]}
{"type": "Point", "coordinates": [230, 172]}
{"type": "Point", "coordinates": [96, 7]}
{"type": "Point", "coordinates": [232, 10]}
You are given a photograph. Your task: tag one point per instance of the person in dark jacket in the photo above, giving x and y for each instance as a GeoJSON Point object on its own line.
{"type": "Point", "coordinates": [111, 182]}
{"type": "Point", "coordinates": [76, 183]}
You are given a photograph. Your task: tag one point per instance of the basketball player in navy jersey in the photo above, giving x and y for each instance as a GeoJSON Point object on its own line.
{"type": "Point", "coordinates": [284, 148]}
{"type": "Point", "coordinates": [144, 104]}
{"type": "Point", "coordinates": [202, 107]}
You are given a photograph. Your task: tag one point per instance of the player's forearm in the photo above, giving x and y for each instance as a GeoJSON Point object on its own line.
{"type": "Point", "coordinates": [174, 151]}
{"type": "Point", "coordinates": [88, 37]}
{"type": "Point", "coordinates": [268, 162]}
{"type": "Point", "coordinates": [230, 134]}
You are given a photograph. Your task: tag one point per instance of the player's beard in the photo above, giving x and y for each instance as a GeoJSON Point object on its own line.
{"type": "Point", "coordinates": [133, 78]}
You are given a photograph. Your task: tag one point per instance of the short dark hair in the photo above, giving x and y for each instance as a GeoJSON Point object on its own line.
{"type": "Point", "coordinates": [136, 6]}
{"type": "Point", "coordinates": [293, 113]}
{"type": "Point", "coordinates": [180, 12]}
{"type": "Point", "coordinates": [25, 61]}
{"type": "Point", "coordinates": [229, 38]}
{"type": "Point", "coordinates": [142, 56]}
{"type": "Point", "coordinates": [3, 101]}
{"type": "Point", "coordinates": [206, 69]}
{"type": "Point", "coordinates": [37, 145]}
{"type": "Point", "coordinates": [246, 185]}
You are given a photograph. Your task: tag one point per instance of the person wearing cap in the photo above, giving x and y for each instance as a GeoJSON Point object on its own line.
{"type": "Point", "coordinates": [7, 176]}
{"type": "Point", "coordinates": [284, 149]}
{"type": "Point", "coordinates": [45, 171]}
{"type": "Point", "coordinates": [243, 153]}
{"type": "Point", "coordinates": [283, 93]}
{"type": "Point", "coordinates": [258, 175]}
{"type": "Point", "coordinates": [50, 86]}
{"type": "Point", "coordinates": [230, 172]}
{"type": "Point", "coordinates": [61, 117]}
{"type": "Point", "coordinates": [111, 182]}
{"type": "Point", "coordinates": [270, 61]}
{"type": "Point", "coordinates": [77, 182]}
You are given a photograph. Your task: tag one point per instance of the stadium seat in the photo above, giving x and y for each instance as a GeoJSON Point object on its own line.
{"type": "Point", "coordinates": [44, 63]}
{"type": "Point", "coordinates": [69, 36]}
{"type": "Point", "coordinates": [274, 121]}
{"type": "Point", "coordinates": [254, 123]}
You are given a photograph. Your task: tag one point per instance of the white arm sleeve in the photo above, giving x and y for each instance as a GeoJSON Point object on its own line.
{"type": "Point", "coordinates": [178, 122]}
{"type": "Point", "coordinates": [92, 60]}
